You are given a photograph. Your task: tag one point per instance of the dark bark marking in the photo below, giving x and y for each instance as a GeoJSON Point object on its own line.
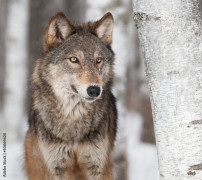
{"type": "Point", "coordinates": [196, 167]}
{"type": "Point", "coordinates": [140, 17]}
{"type": "Point", "coordinates": [191, 173]}
{"type": "Point", "coordinates": [196, 122]}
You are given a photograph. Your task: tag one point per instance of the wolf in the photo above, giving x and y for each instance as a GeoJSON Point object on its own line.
{"type": "Point", "coordinates": [73, 116]}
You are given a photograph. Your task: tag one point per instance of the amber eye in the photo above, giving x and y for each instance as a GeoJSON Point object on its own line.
{"type": "Point", "coordinates": [73, 59]}
{"type": "Point", "coordinates": [99, 60]}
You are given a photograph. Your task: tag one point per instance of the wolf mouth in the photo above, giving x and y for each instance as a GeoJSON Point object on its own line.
{"type": "Point", "coordinates": [90, 99]}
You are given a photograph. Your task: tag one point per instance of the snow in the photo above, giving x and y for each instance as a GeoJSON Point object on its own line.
{"type": "Point", "coordinates": [142, 157]}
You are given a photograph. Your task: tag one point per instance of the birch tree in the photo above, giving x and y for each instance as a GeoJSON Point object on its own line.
{"type": "Point", "coordinates": [3, 13]}
{"type": "Point", "coordinates": [15, 68]}
{"type": "Point", "coordinates": [170, 34]}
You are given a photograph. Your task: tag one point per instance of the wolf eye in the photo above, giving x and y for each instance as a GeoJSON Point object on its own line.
{"type": "Point", "coordinates": [73, 59]}
{"type": "Point", "coordinates": [99, 60]}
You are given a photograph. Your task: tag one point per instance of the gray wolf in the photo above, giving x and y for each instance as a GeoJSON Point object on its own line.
{"type": "Point", "coordinates": [73, 116]}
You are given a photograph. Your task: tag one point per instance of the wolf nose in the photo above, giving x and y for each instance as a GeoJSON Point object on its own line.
{"type": "Point", "coordinates": [93, 91]}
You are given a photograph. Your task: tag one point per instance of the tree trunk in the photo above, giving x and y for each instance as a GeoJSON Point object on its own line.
{"type": "Point", "coordinates": [170, 34]}
{"type": "Point", "coordinates": [3, 13]}
{"type": "Point", "coordinates": [137, 94]}
{"type": "Point", "coordinates": [15, 68]}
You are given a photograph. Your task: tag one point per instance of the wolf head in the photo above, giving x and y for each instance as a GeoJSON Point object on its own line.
{"type": "Point", "coordinates": [78, 57]}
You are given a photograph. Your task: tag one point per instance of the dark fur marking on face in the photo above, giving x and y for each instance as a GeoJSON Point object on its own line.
{"type": "Point", "coordinates": [74, 89]}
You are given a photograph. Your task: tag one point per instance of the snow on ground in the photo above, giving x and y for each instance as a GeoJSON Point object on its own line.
{"type": "Point", "coordinates": [141, 157]}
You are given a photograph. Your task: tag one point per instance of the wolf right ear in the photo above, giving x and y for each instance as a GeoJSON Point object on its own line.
{"type": "Point", "coordinates": [104, 28]}
{"type": "Point", "coordinates": [58, 30]}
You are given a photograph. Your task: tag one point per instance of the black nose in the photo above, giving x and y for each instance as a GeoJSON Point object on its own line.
{"type": "Point", "coordinates": [93, 91]}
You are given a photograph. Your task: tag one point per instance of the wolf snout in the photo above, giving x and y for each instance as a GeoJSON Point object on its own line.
{"type": "Point", "coordinates": [93, 91]}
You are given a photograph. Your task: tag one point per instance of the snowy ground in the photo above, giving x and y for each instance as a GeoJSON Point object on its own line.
{"type": "Point", "coordinates": [142, 157]}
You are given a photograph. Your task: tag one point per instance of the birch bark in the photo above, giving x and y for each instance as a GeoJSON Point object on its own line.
{"type": "Point", "coordinates": [15, 68]}
{"type": "Point", "coordinates": [170, 34]}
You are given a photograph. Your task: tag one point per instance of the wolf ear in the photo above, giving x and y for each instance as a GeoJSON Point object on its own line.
{"type": "Point", "coordinates": [104, 28]}
{"type": "Point", "coordinates": [58, 30]}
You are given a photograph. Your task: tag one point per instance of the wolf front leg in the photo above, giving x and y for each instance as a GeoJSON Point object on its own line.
{"type": "Point", "coordinates": [95, 160]}
{"type": "Point", "coordinates": [34, 164]}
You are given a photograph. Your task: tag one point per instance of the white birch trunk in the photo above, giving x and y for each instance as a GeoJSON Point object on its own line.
{"type": "Point", "coordinates": [16, 67]}
{"type": "Point", "coordinates": [170, 34]}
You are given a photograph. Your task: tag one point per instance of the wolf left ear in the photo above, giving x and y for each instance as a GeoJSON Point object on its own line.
{"type": "Point", "coordinates": [104, 28]}
{"type": "Point", "coordinates": [58, 30]}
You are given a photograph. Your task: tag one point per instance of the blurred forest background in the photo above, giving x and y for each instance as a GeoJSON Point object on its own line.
{"type": "Point", "coordinates": [22, 25]}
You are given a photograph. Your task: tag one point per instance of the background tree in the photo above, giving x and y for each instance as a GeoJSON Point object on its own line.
{"type": "Point", "coordinates": [137, 94]}
{"type": "Point", "coordinates": [170, 34]}
{"type": "Point", "coordinates": [15, 70]}
{"type": "Point", "coordinates": [3, 15]}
